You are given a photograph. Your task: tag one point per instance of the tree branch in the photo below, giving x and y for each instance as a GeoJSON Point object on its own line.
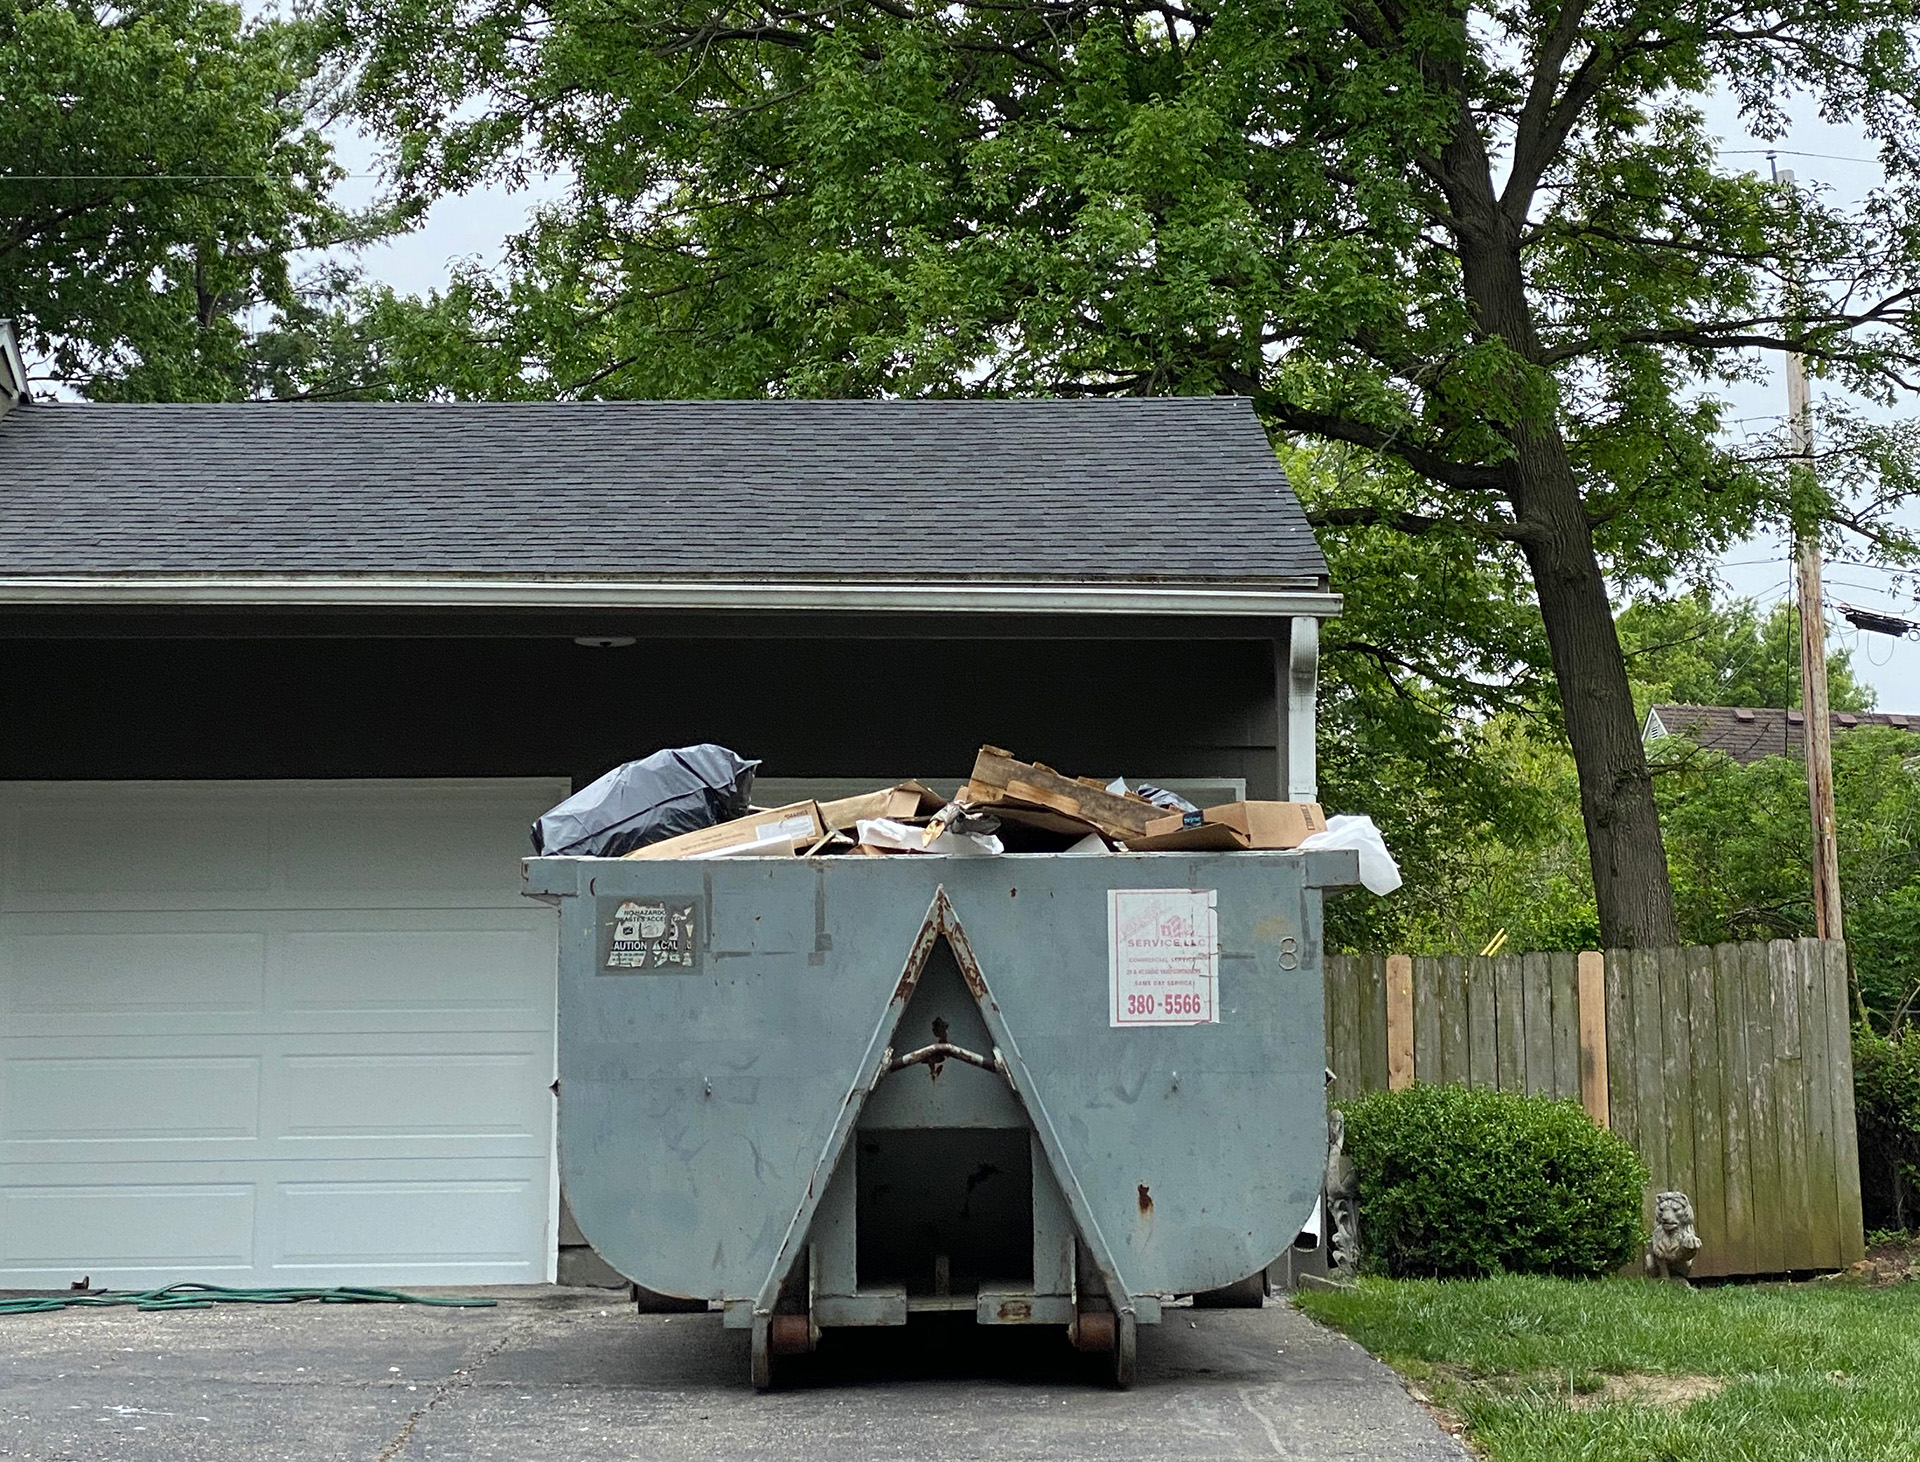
{"type": "Point", "coordinates": [1412, 524]}
{"type": "Point", "coordinates": [1470, 477]}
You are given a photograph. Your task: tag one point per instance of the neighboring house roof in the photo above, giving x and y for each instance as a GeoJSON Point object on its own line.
{"type": "Point", "coordinates": [1140, 500]}
{"type": "Point", "coordinates": [1748, 734]}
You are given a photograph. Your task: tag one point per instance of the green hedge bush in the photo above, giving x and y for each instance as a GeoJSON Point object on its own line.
{"type": "Point", "coordinates": [1886, 1100]}
{"type": "Point", "coordinates": [1457, 1183]}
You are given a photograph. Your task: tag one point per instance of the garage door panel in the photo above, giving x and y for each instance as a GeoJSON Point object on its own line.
{"type": "Point", "coordinates": [108, 842]}
{"type": "Point", "coordinates": [121, 1099]}
{"type": "Point", "coordinates": [111, 973]}
{"type": "Point", "coordinates": [365, 841]}
{"type": "Point", "coordinates": [340, 1077]}
{"type": "Point", "coordinates": [419, 1223]}
{"type": "Point", "coordinates": [110, 1231]}
{"type": "Point", "coordinates": [445, 970]}
{"type": "Point", "coordinates": [421, 1099]}
{"type": "Point", "coordinates": [278, 1096]}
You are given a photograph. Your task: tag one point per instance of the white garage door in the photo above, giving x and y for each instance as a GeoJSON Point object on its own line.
{"type": "Point", "coordinates": [274, 1033]}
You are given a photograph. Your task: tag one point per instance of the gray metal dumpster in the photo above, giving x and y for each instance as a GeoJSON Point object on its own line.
{"type": "Point", "coordinates": [1039, 1089]}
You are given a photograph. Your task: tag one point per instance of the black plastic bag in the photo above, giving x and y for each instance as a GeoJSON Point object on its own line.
{"type": "Point", "coordinates": [659, 796]}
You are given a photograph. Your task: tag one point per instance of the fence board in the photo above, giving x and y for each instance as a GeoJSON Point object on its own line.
{"type": "Point", "coordinates": [1453, 1023]}
{"type": "Point", "coordinates": [1730, 1003]}
{"type": "Point", "coordinates": [1399, 993]}
{"type": "Point", "coordinates": [1536, 1003]}
{"type": "Point", "coordinates": [1769, 1234]}
{"type": "Point", "coordinates": [1373, 1025]}
{"type": "Point", "coordinates": [1789, 1092]}
{"type": "Point", "coordinates": [1823, 1199]}
{"type": "Point", "coordinates": [1483, 1064]}
{"type": "Point", "coordinates": [1676, 1075]}
{"type": "Point", "coordinates": [1649, 1067]}
{"type": "Point", "coordinates": [1625, 1112]}
{"type": "Point", "coordinates": [1563, 981]}
{"type": "Point", "coordinates": [1510, 1024]}
{"type": "Point", "coordinates": [1343, 1028]}
{"type": "Point", "coordinates": [1428, 998]}
{"type": "Point", "coordinates": [1846, 1140]}
{"type": "Point", "coordinates": [1709, 1190]}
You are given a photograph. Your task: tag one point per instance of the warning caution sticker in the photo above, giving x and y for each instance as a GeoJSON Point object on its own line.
{"type": "Point", "coordinates": [650, 934]}
{"type": "Point", "coordinates": [1163, 953]}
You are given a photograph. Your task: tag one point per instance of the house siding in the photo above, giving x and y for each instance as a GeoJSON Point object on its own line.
{"type": "Point", "coordinates": [143, 708]}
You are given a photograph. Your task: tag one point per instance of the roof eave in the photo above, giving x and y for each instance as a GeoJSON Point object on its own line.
{"type": "Point", "coordinates": [840, 595]}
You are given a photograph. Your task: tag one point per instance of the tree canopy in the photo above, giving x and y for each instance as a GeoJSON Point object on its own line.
{"type": "Point", "coordinates": [1490, 247]}
{"type": "Point", "coordinates": [1687, 650]}
{"type": "Point", "coordinates": [164, 167]}
{"type": "Point", "coordinates": [1739, 838]}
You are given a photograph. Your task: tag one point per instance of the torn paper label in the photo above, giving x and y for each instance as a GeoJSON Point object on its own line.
{"type": "Point", "coordinates": [1163, 956]}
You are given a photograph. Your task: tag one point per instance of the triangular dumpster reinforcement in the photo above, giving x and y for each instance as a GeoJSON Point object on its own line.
{"type": "Point", "coordinates": [881, 1060]}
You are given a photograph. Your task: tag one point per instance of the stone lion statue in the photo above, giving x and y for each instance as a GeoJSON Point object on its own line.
{"type": "Point", "coordinates": [1674, 1243]}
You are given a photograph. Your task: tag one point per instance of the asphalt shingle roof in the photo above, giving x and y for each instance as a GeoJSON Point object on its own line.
{"type": "Point", "coordinates": [1136, 490]}
{"type": "Point", "coordinates": [1747, 734]}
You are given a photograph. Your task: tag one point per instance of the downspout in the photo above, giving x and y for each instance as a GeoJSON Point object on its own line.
{"type": "Point", "coordinates": [13, 370]}
{"type": "Point", "coordinates": [1296, 675]}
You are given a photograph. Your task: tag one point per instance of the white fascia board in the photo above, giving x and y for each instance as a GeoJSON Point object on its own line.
{"type": "Point", "coordinates": [416, 592]}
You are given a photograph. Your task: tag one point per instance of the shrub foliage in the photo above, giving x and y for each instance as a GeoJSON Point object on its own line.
{"type": "Point", "coordinates": [1458, 1183]}
{"type": "Point", "coordinates": [1886, 1097]}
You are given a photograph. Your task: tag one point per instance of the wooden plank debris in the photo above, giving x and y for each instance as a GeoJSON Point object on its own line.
{"type": "Point", "coordinates": [999, 776]}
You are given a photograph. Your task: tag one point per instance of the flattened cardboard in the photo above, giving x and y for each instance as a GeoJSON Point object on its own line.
{"type": "Point", "coordinates": [1234, 825]}
{"type": "Point", "coordinates": [779, 830]}
{"type": "Point", "coordinates": [1206, 837]}
{"type": "Point", "coordinates": [1020, 814]}
{"type": "Point", "coordinates": [909, 799]}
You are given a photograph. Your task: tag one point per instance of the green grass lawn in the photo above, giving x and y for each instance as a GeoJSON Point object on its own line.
{"type": "Point", "coordinates": [1545, 1369]}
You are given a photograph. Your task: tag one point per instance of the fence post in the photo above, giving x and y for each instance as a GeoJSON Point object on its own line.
{"type": "Point", "coordinates": [1399, 1022]}
{"type": "Point", "coordinates": [1593, 1036]}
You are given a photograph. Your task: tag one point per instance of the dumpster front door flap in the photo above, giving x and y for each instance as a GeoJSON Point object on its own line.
{"type": "Point", "coordinates": [730, 1030]}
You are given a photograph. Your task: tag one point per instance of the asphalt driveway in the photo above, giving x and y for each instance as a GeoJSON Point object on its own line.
{"type": "Point", "coordinates": [576, 1375]}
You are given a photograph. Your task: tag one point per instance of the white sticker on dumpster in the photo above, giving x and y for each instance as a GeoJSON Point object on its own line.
{"type": "Point", "coordinates": [1163, 951]}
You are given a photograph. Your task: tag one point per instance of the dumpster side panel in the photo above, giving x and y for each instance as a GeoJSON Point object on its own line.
{"type": "Point", "coordinates": [695, 1103]}
{"type": "Point", "coordinates": [1199, 1147]}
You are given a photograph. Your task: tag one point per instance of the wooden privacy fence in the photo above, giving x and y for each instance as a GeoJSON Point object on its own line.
{"type": "Point", "coordinates": [1729, 1069]}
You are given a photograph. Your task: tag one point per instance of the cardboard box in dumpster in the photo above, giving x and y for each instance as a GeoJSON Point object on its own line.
{"type": "Point", "coordinates": [909, 799]}
{"type": "Point", "coordinates": [1237, 825]}
{"type": "Point", "coordinates": [781, 830]}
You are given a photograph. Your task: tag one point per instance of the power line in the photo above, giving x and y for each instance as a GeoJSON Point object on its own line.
{"type": "Point", "coordinates": [1790, 152]}
{"type": "Point", "coordinates": [149, 177]}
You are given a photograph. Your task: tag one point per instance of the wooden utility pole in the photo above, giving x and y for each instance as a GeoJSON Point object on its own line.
{"type": "Point", "coordinates": [1813, 663]}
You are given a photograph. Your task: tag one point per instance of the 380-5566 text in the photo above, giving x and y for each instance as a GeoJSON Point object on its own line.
{"type": "Point", "coordinates": [1173, 1003]}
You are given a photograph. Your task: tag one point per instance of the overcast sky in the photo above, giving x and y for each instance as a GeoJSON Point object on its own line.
{"type": "Point", "coordinates": [475, 226]}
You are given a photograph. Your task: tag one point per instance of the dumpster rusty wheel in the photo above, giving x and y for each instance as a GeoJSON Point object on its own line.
{"type": "Point", "coordinates": [1103, 1332]}
{"type": "Point", "coordinates": [778, 1335]}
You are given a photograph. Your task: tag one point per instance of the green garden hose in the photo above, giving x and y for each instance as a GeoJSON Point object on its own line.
{"type": "Point", "coordinates": [189, 1296]}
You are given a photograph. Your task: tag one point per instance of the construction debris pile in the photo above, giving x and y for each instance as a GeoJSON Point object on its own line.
{"type": "Point", "coordinates": [693, 802]}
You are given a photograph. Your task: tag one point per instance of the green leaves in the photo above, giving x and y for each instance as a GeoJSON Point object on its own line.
{"type": "Point", "coordinates": [161, 173]}
{"type": "Point", "coordinates": [1459, 1183]}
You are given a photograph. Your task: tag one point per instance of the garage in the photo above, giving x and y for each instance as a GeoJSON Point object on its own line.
{"type": "Point", "coordinates": [272, 1033]}
{"type": "Point", "coordinates": [283, 686]}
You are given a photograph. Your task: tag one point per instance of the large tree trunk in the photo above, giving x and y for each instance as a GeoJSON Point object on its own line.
{"type": "Point", "coordinates": [1629, 860]}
